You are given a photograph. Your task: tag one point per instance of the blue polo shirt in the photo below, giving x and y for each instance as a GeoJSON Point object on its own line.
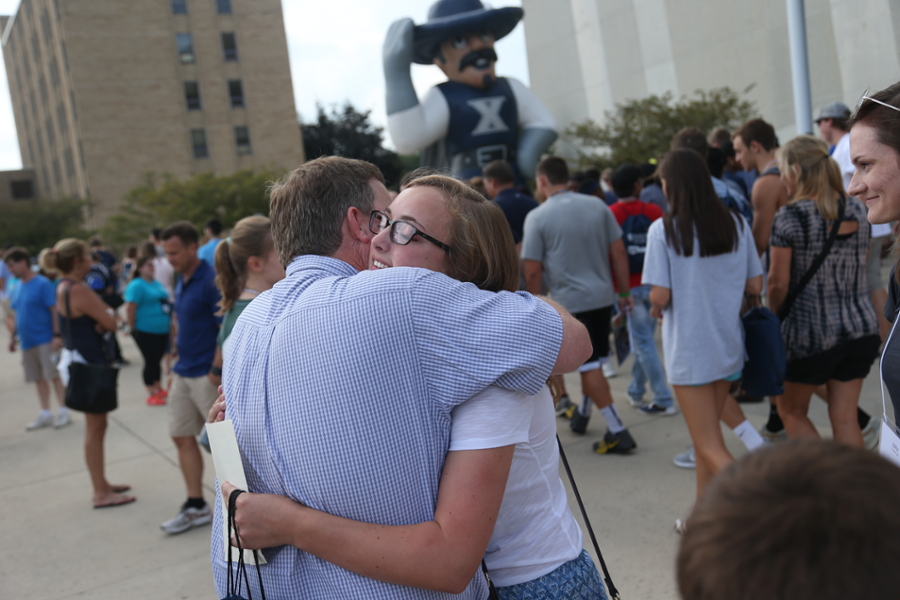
{"type": "Point", "coordinates": [32, 302]}
{"type": "Point", "coordinates": [196, 304]}
{"type": "Point", "coordinates": [515, 206]}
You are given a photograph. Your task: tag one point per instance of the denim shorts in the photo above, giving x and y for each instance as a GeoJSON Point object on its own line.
{"type": "Point", "coordinates": [732, 378]}
{"type": "Point", "coordinates": [577, 579]}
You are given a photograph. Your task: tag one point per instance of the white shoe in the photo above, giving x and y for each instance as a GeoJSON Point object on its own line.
{"type": "Point", "coordinates": [62, 419]}
{"type": "Point", "coordinates": [187, 518]}
{"type": "Point", "coordinates": [686, 460]}
{"type": "Point", "coordinates": [871, 434]}
{"type": "Point", "coordinates": [45, 419]}
{"type": "Point", "coordinates": [609, 371]}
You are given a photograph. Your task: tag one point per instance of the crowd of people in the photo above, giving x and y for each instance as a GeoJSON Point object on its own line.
{"type": "Point", "coordinates": [309, 311]}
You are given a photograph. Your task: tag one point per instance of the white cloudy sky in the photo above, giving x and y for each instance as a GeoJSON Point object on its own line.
{"type": "Point", "coordinates": [335, 48]}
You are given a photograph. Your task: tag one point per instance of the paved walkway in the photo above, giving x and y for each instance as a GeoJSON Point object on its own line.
{"type": "Point", "coordinates": [54, 546]}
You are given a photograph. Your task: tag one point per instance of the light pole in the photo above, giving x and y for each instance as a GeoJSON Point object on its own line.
{"type": "Point", "coordinates": [799, 66]}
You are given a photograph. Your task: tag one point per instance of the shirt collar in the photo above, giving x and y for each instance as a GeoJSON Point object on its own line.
{"type": "Point", "coordinates": [313, 262]}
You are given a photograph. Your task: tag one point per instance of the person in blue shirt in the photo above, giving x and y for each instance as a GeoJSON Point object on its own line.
{"type": "Point", "coordinates": [499, 181]}
{"type": "Point", "coordinates": [207, 252]}
{"type": "Point", "coordinates": [34, 303]}
{"type": "Point", "coordinates": [148, 309]}
{"type": "Point", "coordinates": [197, 325]}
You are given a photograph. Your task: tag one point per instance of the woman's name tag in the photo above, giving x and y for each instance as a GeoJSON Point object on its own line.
{"type": "Point", "coordinates": [890, 442]}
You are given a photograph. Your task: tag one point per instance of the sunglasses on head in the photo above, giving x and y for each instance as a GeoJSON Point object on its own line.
{"type": "Point", "coordinates": [865, 96]}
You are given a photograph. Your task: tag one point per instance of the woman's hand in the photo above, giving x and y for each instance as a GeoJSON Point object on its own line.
{"type": "Point", "coordinates": [217, 412]}
{"type": "Point", "coordinates": [261, 519]}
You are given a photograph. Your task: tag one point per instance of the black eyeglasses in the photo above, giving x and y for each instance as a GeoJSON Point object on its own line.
{"type": "Point", "coordinates": [401, 232]}
{"type": "Point", "coordinates": [865, 96]}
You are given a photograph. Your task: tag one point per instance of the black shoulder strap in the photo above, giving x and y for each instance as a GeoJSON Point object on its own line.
{"type": "Point", "coordinates": [807, 277]}
{"type": "Point", "coordinates": [613, 592]}
{"type": "Point", "coordinates": [68, 317]}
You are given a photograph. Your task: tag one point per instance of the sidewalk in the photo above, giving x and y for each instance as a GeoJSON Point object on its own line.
{"type": "Point", "coordinates": [55, 546]}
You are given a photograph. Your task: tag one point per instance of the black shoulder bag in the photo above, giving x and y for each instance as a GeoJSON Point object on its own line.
{"type": "Point", "coordinates": [91, 388]}
{"type": "Point", "coordinates": [807, 277]}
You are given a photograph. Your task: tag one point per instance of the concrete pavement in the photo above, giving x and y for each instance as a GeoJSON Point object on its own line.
{"type": "Point", "coordinates": [55, 546]}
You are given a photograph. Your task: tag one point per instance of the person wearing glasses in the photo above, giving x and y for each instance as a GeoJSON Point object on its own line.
{"type": "Point", "coordinates": [875, 151]}
{"type": "Point", "coordinates": [534, 505]}
{"type": "Point", "coordinates": [341, 387]}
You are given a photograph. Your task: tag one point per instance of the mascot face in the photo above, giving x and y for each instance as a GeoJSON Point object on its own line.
{"type": "Point", "coordinates": [469, 59]}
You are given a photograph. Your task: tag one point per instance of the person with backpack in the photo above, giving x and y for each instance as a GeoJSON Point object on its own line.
{"type": "Point", "coordinates": [635, 217]}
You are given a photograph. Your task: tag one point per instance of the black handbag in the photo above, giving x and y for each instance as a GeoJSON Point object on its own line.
{"type": "Point", "coordinates": [92, 388]}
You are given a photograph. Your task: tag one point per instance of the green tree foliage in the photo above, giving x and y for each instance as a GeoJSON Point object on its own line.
{"type": "Point", "coordinates": [39, 224]}
{"type": "Point", "coordinates": [639, 130]}
{"type": "Point", "coordinates": [347, 132]}
{"type": "Point", "coordinates": [162, 200]}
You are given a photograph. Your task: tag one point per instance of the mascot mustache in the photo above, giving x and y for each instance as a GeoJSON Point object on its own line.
{"type": "Point", "coordinates": [480, 59]}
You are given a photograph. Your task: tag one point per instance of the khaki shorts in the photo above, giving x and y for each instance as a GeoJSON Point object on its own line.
{"type": "Point", "coordinates": [38, 364]}
{"type": "Point", "coordinates": [189, 404]}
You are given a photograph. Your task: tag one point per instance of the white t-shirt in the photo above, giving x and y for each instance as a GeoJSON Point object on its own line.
{"type": "Point", "coordinates": [703, 338]}
{"type": "Point", "coordinates": [535, 531]}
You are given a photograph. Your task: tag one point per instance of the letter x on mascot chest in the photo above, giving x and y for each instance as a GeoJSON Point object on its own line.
{"type": "Point", "coordinates": [474, 117]}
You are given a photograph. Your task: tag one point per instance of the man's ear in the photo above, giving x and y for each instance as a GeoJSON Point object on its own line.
{"type": "Point", "coordinates": [755, 147]}
{"type": "Point", "coordinates": [358, 225]}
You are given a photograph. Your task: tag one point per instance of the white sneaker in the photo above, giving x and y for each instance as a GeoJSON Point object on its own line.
{"type": "Point", "coordinates": [609, 371]}
{"type": "Point", "coordinates": [187, 518]}
{"type": "Point", "coordinates": [871, 434]}
{"type": "Point", "coordinates": [45, 419]}
{"type": "Point", "coordinates": [686, 460]}
{"type": "Point", "coordinates": [62, 419]}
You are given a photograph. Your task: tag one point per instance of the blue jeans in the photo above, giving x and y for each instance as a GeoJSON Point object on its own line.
{"type": "Point", "coordinates": [647, 364]}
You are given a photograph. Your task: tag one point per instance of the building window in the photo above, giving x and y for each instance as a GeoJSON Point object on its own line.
{"type": "Point", "coordinates": [21, 190]}
{"type": "Point", "coordinates": [61, 118]}
{"type": "Point", "coordinates": [54, 72]}
{"type": "Point", "coordinates": [229, 46]}
{"type": "Point", "coordinates": [192, 95]}
{"type": "Point", "coordinates": [198, 141]}
{"type": "Point", "coordinates": [42, 85]}
{"type": "Point", "coordinates": [236, 93]}
{"type": "Point", "coordinates": [224, 7]}
{"type": "Point", "coordinates": [242, 140]}
{"type": "Point", "coordinates": [70, 163]}
{"type": "Point", "coordinates": [51, 134]}
{"type": "Point", "coordinates": [185, 47]}
{"type": "Point", "coordinates": [179, 7]}
{"type": "Point", "coordinates": [45, 25]}
{"type": "Point", "coordinates": [36, 48]}
{"type": "Point", "coordinates": [57, 177]}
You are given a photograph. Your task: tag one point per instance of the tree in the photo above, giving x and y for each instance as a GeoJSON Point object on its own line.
{"type": "Point", "coordinates": [162, 200]}
{"type": "Point", "coordinates": [39, 224]}
{"type": "Point", "coordinates": [640, 130]}
{"type": "Point", "coordinates": [348, 133]}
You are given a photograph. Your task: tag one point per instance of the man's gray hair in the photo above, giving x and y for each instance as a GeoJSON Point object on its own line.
{"type": "Point", "coordinates": [308, 206]}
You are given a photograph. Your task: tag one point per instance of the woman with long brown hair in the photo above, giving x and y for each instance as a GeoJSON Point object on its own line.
{"type": "Point", "coordinates": [875, 150]}
{"type": "Point", "coordinates": [701, 261]}
{"type": "Point", "coordinates": [84, 321]}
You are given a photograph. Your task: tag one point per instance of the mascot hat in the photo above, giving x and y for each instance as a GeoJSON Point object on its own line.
{"type": "Point", "coordinates": [449, 18]}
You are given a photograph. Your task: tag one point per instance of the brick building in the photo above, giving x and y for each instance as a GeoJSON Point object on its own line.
{"type": "Point", "coordinates": [104, 91]}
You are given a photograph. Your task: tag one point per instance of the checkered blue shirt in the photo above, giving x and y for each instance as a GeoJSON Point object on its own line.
{"type": "Point", "coordinates": [340, 386]}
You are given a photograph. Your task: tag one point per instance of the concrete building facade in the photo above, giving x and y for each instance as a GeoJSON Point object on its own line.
{"type": "Point", "coordinates": [105, 91]}
{"type": "Point", "coordinates": [586, 56]}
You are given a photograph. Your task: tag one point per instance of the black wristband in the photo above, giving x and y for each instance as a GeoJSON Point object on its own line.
{"type": "Point", "coordinates": [215, 371]}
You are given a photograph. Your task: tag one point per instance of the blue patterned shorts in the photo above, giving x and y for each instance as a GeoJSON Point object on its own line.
{"type": "Point", "coordinates": [577, 579]}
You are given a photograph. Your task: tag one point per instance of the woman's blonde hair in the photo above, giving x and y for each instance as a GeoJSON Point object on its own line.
{"type": "Point", "coordinates": [251, 236]}
{"type": "Point", "coordinates": [817, 176]}
{"type": "Point", "coordinates": [63, 256]}
{"type": "Point", "coordinates": [484, 252]}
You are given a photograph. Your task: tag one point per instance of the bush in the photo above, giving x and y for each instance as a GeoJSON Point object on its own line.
{"type": "Point", "coordinates": [640, 130]}
{"type": "Point", "coordinates": [160, 201]}
{"type": "Point", "coordinates": [39, 224]}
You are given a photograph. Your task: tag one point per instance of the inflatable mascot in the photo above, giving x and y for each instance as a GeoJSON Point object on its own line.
{"type": "Point", "coordinates": [474, 117]}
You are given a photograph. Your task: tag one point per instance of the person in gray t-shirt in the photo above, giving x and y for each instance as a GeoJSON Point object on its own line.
{"type": "Point", "coordinates": [701, 261]}
{"type": "Point", "coordinates": [572, 239]}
